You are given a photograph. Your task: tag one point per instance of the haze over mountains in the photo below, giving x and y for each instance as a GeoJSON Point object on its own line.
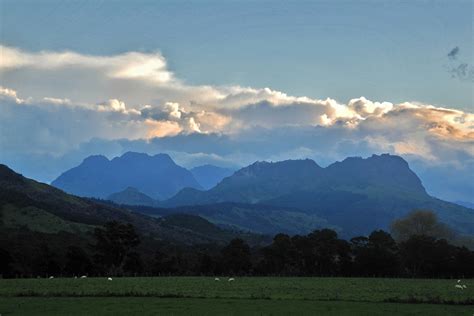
{"type": "Point", "coordinates": [354, 196]}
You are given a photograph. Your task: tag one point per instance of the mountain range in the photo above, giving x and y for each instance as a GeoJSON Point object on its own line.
{"type": "Point", "coordinates": [278, 182]}
{"type": "Point", "coordinates": [357, 195]}
{"type": "Point", "coordinates": [353, 196]}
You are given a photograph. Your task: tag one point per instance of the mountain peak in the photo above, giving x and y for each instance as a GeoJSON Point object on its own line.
{"type": "Point", "coordinates": [156, 176]}
{"type": "Point", "coordinates": [383, 170]}
{"type": "Point", "coordinates": [136, 157]}
{"type": "Point", "coordinates": [163, 156]}
{"type": "Point", "coordinates": [375, 159]}
{"type": "Point", "coordinates": [95, 159]}
{"type": "Point", "coordinates": [133, 155]}
{"type": "Point", "coordinates": [259, 167]}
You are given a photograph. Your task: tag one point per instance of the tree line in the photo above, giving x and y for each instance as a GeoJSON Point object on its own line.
{"type": "Point", "coordinates": [420, 249]}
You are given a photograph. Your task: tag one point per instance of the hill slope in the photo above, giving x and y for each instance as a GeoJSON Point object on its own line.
{"type": "Point", "coordinates": [263, 219]}
{"type": "Point", "coordinates": [156, 176]}
{"type": "Point", "coordinates": [32, 206]}
{"type": "Point", "coordinates": [132, 196]}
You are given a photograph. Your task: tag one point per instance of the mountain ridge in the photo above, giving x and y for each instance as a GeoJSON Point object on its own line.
{"type": "Point", "coordinates": [157, 176]}
{"type": "Point", "coordinates": [357, 194]}
{"type": "Point", "coordinates": [288, 176]}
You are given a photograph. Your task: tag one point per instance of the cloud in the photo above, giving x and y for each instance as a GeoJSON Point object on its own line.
{"type": "Point", "coordinates": [61, 105]}
{"type": "Point", "coordinates": [57, 101]}
{"type": "Point", "coordinates": [134, 78]}
{"type": "Point", "coordinates": [148, 67]}
{"type": "Point", "coordinates": [10, 95]}
{"type": "Point", "coordinates": [112, 105]}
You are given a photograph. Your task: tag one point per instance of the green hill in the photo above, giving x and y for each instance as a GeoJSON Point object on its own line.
{"type": "Point", "coordinates": [257, 218]}
{"type": "Point", "coordinates": [30, 206]}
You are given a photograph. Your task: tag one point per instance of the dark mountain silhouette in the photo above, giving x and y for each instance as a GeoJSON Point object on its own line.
{"type": "Point", "coordinates": [208, 175]}
{"type": "Point", "coordinates": [358, 195]}
{"type": "Point", "coordinates": [27, 205]}
{"type": "Point", "coordinates": [156, 176]}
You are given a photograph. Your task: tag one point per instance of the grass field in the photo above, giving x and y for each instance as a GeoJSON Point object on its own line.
{"type": "Point", "coordinates": [253, 295]}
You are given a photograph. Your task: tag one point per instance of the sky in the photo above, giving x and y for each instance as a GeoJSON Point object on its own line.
{"type": "Point", "coordinates": [232, 82]}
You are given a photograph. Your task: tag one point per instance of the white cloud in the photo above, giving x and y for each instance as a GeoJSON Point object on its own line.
{"type": "Point", "coordinates": [365, 107]}
{"type": "Point", "coordinates": [60, 104]}
{"type": "Point", "coordinates": [10, 95]}
{"type": "Point", "coordinates": [112, 105]}
{"type": "Point", "coordinates": [57, 101]}
{"type": "Point", "coordinates": [150, 67]}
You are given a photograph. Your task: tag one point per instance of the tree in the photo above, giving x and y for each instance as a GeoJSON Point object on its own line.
{"type": "Point", "coordinates": [376, 255]}
{"type": "Point", "coordinates": [419, 255]}
{"type": "Point", "coordinates": [114, 242]}
{"type": "Point", "coordinates": [325, 252]}
{"type": "Point", "coordinates": [133, 263]}
{"type": "Point", "coordinates": [45, 263]}
{"type": "Point", "coordinates": [6, 261]}
{"type": "Point", "coordinates": [236, 257]}
{"type": "Point", "coordinates": [420, 222]}
{"type": "Point", "coordinates": [205, 264]}
{"type": "Point", "coordinates": [425, 256]}
{"type": "Point", "coordinates": [77, 261]}
{"type": "Point", "coordinates": [280, 256]}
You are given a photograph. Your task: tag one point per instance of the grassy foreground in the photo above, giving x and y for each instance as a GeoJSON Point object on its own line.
{"type": "Point", "coordinates": [192, 306]}
{"type": "Point", "coordinates": [253, 295]}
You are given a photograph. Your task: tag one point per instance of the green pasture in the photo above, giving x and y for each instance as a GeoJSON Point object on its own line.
{"type": "Point", "coordinates": [245, 295]}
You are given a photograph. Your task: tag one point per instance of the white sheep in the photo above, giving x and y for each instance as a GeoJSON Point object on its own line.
{"type": "Point", "coordinates": [459, 281]}
{"type": "Point", "coordinates": [459, 286]}
{"type": "Point", "coordinates": [217, 279]}
{"type": "Point", "coordinates": [51, 277]}
{"type": "Point", "coordinates": [110, 279]}
{"type": "Point", "coordinates": [84, 277]}
{"type": "Point", "coordinates": [464, 286]}
{"type": "Point", "coordinates": [231, 280]}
